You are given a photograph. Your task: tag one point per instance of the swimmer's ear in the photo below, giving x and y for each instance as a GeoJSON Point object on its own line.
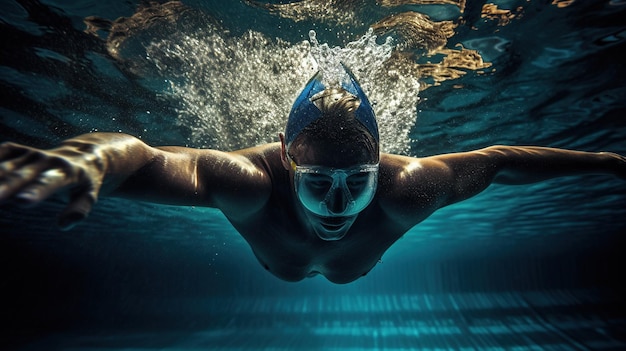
{"type": "Point", "coordinates": [283, 152]}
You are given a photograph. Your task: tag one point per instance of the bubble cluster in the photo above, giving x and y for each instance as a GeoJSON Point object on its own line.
{"type": "Point", "coordinates": [392, 91]}
{"type": "Point", "coordinates": [236, 92]}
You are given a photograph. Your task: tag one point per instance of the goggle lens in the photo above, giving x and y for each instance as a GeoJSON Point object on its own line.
{"type": "Point", "coordinates": [336, 192]}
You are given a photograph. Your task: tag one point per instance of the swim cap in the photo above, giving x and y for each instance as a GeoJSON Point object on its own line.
{"type": "Point", "coordinates": [304, 111]}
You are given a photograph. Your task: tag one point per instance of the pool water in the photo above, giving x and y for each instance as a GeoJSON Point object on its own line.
{"type": "Point", "coordinates": [535, 267]}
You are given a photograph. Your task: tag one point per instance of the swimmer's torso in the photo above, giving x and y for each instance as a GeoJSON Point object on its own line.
{"type": "Point", "coordinates": [290, 251]}
{"type": "Point", "coordinates": [285, 244]}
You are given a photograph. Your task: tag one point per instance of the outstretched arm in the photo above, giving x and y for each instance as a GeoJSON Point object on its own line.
{"type": "Point", "coordinates": [472, 172]}
{"type": "Point", "coordinates": [421, 186]}
{"type": "Point", "coordinates": [124, 166]}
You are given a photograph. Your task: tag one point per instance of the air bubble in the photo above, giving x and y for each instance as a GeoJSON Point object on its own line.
{"type": "Point", "coordinates": [236, 92]}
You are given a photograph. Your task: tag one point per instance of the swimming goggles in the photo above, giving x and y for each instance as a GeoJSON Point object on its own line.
{"type": "Point", "coordinates": [330, 192]}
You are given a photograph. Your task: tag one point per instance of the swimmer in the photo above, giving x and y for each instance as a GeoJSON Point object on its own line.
{"type": "Point", "coordinates": [323, 200]}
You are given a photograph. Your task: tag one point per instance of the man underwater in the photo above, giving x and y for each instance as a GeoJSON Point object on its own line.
{"type": "Point", "coordinates": [323, 200]}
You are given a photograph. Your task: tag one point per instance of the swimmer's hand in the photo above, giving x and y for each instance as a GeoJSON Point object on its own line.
{"type": "Point", "coordinates": [619, 163]}
{"type": "Point", "coordinates": [29, 176]}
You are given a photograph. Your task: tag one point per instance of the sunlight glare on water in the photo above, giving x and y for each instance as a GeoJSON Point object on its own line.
{"type": "Point", "coordinates": [236, 92]}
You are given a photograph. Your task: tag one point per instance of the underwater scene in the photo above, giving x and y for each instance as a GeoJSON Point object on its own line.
{"type": "Point", "coordinates": [524, 267]}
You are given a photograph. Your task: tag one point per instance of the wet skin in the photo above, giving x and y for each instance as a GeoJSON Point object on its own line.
{"type": "Point", "coordinates": [254, 189]}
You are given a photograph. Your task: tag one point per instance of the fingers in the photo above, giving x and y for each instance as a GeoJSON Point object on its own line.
{"type": "Point", "coordinates": [23, 180]}
{"type": "Point", "coordinates": [13, 159]}
{"type": "Point", "coordinates": [29, 176]}
{"type": "Point", "coordinates": [11, 182]}
{"type": "Point", "coordinates": [10, 150]}
{"type": "Point", "coordinates": [78, 209]}
{"type": "Point", "coordinates": [42, 187]}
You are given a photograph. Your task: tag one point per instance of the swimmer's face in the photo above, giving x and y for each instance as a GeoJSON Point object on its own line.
{"type": "Point", "coordinates": [334, 181]}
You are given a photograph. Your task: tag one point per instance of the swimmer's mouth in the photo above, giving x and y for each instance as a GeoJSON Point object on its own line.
{"type": "Point", "coordinates": [333, 224]}
{"type": "Point", "coordinates": [332, 232]}
{"type": "Point", "coordinates": [333, 227]}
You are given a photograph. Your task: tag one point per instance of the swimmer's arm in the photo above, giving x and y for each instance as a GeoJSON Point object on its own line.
{"type": "Point", "coordinates": [419, 186]}
{"type": "Point", "coordinates": [469, 173]}
{"type": "Point", "coordinates": [175, 175]}
{"type": "Point", "coordinates": [120, 165]}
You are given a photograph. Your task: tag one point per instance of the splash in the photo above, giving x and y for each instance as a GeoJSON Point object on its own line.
{"type": "Point", "coordinates": [363, 56]}
{"type": "Point", "coordinates": [389, 84]}
{"type": "Point", "coordinates": [236, 92]}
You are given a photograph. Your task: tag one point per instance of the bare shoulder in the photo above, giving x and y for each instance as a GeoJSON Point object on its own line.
{"type": "Point", "coordinates": [265, 151]}
{"type": "Point", "coordinates": [237, 182]}
{"type": "Point", "coordinates": [410, 188]}
{"type": "Point", "coordinates": [265, 158]}
{"type": "Point", "coordinates": [405, 168]}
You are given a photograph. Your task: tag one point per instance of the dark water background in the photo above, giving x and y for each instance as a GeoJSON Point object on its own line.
{"type": "Point", "coordinates": [532, 267]}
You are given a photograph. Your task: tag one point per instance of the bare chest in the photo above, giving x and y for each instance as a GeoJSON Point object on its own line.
{"type": "Point", "coordinates": [290, 252]}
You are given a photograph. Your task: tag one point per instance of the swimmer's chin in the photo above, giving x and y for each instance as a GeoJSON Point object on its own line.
{"type": "Point", "coordinates": [332, 228]}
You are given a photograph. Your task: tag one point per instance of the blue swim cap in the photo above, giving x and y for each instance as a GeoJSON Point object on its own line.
{"type": "Point", "coordinates": [304, 111]}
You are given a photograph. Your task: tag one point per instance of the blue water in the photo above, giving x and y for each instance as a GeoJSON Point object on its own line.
{"type": "Point", "coordinates": [534, 267]}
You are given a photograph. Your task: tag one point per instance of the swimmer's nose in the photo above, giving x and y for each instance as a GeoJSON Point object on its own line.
{"type": "Point", "coordinates": [337, 202]}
